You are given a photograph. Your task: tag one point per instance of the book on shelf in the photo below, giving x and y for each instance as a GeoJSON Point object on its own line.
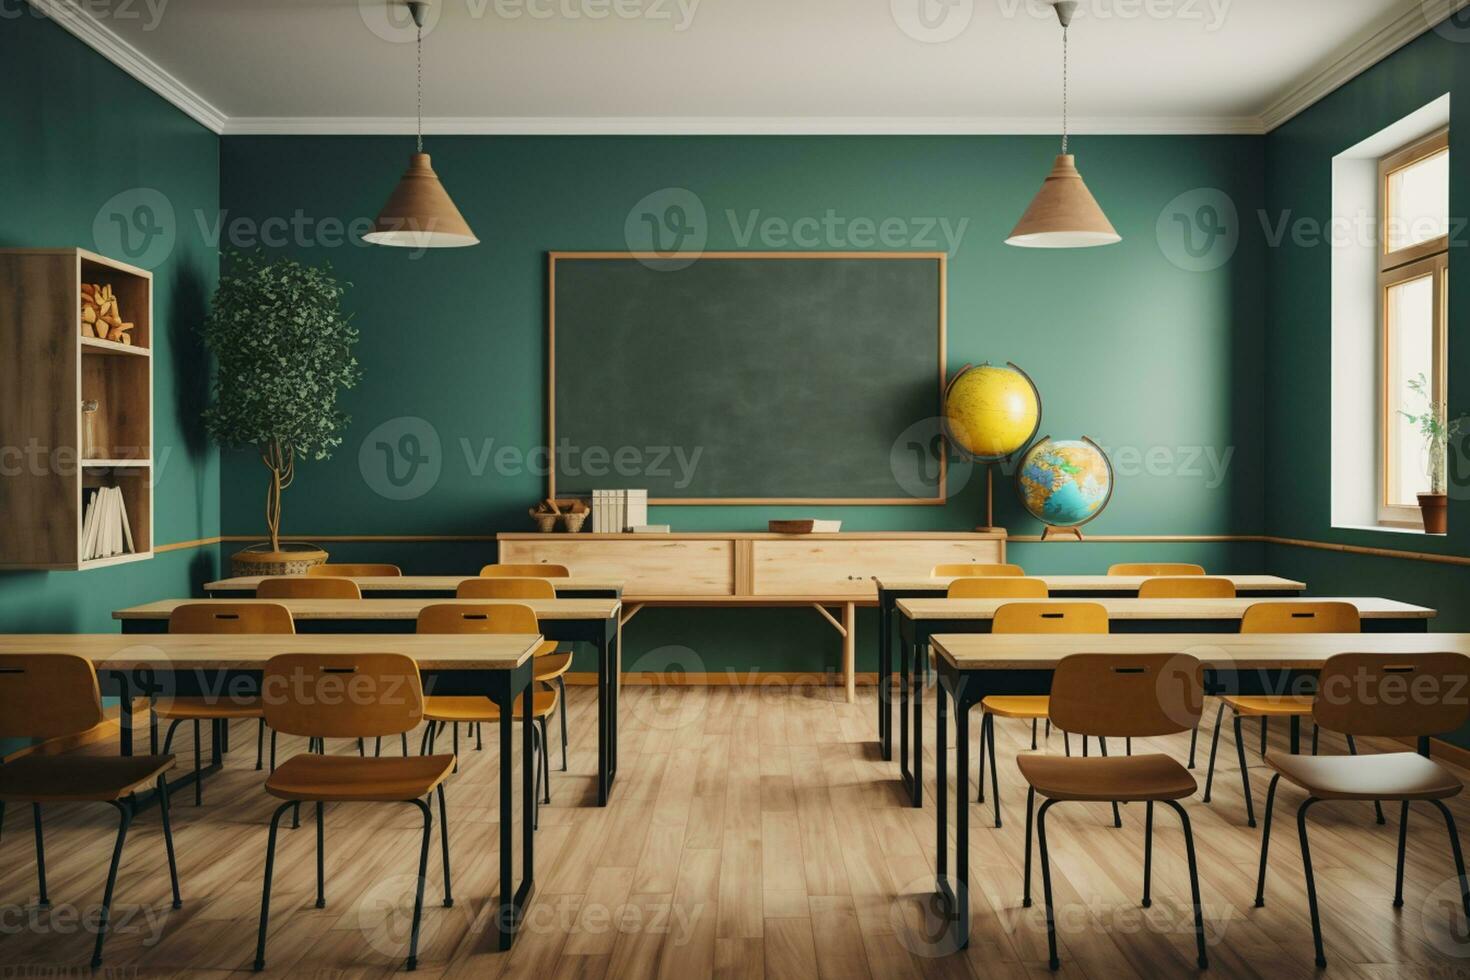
{"type": "Point", "coordinates": [649, 529]}
{"type": "Point", "coordinates": [106, 531]}
{"type": "Point", "coordinates": [618, 511]}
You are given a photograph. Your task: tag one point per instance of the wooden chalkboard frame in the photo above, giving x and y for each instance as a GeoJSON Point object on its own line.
{"type": "Point", "coordinates": [941, 258]}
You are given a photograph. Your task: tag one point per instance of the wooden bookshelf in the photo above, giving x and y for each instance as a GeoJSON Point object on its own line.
{"type": "Point", "coordinates": [49, 370]}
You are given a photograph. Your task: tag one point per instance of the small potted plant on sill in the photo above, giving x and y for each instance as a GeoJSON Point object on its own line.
{"type": "Point", "coordinates": [1437, 431]}
{"type": "Point", "coordinates": [284, 350]}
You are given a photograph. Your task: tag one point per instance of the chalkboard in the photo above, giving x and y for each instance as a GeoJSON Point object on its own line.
{"type": "Point", "coordinates": [748, 377]}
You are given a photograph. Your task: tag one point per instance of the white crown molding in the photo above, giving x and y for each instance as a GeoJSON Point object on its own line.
{"type": "Point", "coordinates": [1415, 19]}
{"type": "Point", "coordinates": [736, 126]}
{"type": "Point", "coordinates": [85, 25]}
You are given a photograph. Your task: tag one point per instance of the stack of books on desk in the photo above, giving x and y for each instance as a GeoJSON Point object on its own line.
{"type": "Point", "coordinates": [616, 511]}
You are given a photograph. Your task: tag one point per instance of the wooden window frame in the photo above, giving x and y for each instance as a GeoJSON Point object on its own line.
{"type": "Point", "coordinates": [1424, 259]}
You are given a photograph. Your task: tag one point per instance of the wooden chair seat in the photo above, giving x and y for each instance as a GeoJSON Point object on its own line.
{"type": "Point", "coordinates": [1016, 705]}
{"type": "Point", "coordinates": [346, 778]}
{"type": "Point", "coordinates": [546, 649]}
{"type": "Point", "coordinates": [79, 778]}
{"type": "Point", "coordinates": [209, 709]}
{"type": "Point", "coordinates": [474, 709]}
{"type": "Point", "coordinates": [1392, 776]}
{"type": "Point", "coordinates": [1269, 706]}
{"type": "Point", "coordinates": [550, 666]}
{"type": "Point", "coordinates": [1104, 779]}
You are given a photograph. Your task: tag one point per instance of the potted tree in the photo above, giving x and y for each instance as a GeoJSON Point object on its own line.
{"type": "Point", "coordinates": [1437, 431]}
{"type": "Point", "coordinates": [284, 350]}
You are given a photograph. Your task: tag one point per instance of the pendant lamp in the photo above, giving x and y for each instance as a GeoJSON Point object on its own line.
{"type": "Point", "coordinates": [419, 212]}
{"type": "Point", "coordinates": [1064, 214]}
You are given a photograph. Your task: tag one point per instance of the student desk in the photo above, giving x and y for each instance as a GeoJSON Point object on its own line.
{"type": "Point", "coordinates": [891, 589]}
{"type": "Point", "coordinates": [592, 621]}
{"type": "Point", "coordinates": [972, 667]}
{"type": "Point", "coordinates": [920, 619]}
{"type": "Point", "coordinates": [426, 586]}
{"type": "Point", "coordinates": [497, 667]}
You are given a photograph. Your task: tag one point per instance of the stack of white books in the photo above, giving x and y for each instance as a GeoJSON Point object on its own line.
{"type": "Point", "coordinates": [616, 511]}
{"type": "Point", "coordinates": [105, 528]}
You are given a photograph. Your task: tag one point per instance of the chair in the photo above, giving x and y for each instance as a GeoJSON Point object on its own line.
{"type": "Point", "coordinates": [1132, 696]}
{"type": "Point", "coordinates": [53, 695]}
{"type": "Point", "coordinates": [454, 710]}
{"type": "Point", "coordinates": [550, 666]}
{"type": "Point", "coordinates": [1378, 695]}
{"type": "Point", "coordinates": [976, 569]}
{"type": "Point", "coordinates": [1279, 617]}
{"type": "Point", "coordinates": [347, 570]}
{"type": "Point", "coordinates": [219, 617]}
{"type": "Point", "coordinates": [307, 587]}
{"type": "Point", "coordinates": [1187, 587]}
{"type": "Point", "coordinates": [322, 696]}
{"type": "Point", "coordinates": [543, 570]}
{"type": "Point", "coordinates": [1031, 617]}
{"type": "Point", "coordinates": [1155, 569]}
{"type": "Point", "coordinates": [1005, 587]}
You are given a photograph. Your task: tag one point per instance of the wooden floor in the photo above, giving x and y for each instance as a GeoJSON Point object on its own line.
{"type": "Point", "coordinates": [753, 832]}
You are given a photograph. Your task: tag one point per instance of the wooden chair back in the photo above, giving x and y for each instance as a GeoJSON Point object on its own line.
{"type": "Point", "coordinates": [506, 588]}
{"type": "Point", "coordinates": [464, 617]}
{"type": "Point", "coordinates": [1156, 569]}
{"type": "Point", "coordinates": [537, 570]}
{"type": "Point", "coordinates": [358, 570]}
{"type": "Point", "coordinates": [972, 568]}
{"type": "Point", "coordinates": [307, 587]}
{"type": "Point", "coordinates": [1127, 695]}
{"type": "Point", "coordinates": [231, 617]}
{"type": "Point", "coordinates": [1187, 587]}
{"type": "Point", "coordinates": [1301, 617]}
{"type": "Point", "coordinates": [47, 695]}
{"type": "Point", "coordinates": [1393, 695]}
{"type": "Point", "coordinates": [1050, 617]}
{"type": "Point", "coordinates": [342, 695]}
{"type": "Point", "coordinates": [1012, 587]}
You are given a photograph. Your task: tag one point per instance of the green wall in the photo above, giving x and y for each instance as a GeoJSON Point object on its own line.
{"type": "Point", "coordinates": [79, 132]}
{"type": "Point", "coordinates": [1159, 363]}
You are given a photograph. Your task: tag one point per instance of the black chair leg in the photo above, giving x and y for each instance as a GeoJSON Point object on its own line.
{"type": "Point", "coordinates": [1102, 745]}
{"type": "Point", "coordinates": [1030, 808]}
{"type": "Point", "coordinates": [40, 855]}
{"type": "Point", "coordinates": [198, 777]}
{"type": "Point", "coordinates": [1148, 853]}
{"type": "Point", "coordinates": [1353, 750]}
{"type": "Point", "coordinates": [260, 745]}
{"type": "Point", "coordinates": [404, 737]}
{"type": "Point", "coordinates": [1449, 822]}
{"type": "Point", "coordinates": [1047, 730]}
{"type": "Point", "coordinates": [1245, 773]}
{"type": "Point", "coordinates": [1214, 748]}
{"type": "Point", "coordinates": [546, 762]}
{"type": "Point", "coordinates": [1301, 829]}
{"type": "Point", "coordinates": [479, 739]}
{"type": "Point", "coordinates": [361, 749]}
{"type": "Point", "coordinates": [444, 845]}
{"type": "Point", "coordinates": [378, 747]}
{"type": "Point", "coordinates": [1051, 924]}
{"type": "Point", "coordinates": [418, 900]}
{"type": "Point", "coordinates": [273, 750]}
{"type": "Point", "coordinates": [1033, 734]}
{"type": "Point", "coordinates": [561, 709]}
{"type": "Point", "coordinates": [984, 725]}
{"type": "Point", "coordinates": [265, 895]}
{"type": "Point", "coordinates": [125, 817]}
{"type": "Point", "coordinates": [1199, 918]}
{"type": "Point", "coordinates": [1067, 744]}
{"type": "Point", "coordinates": [1265, 724]}
{"type": "Point", "coordinates": [994, 767]}
{"type": "Point", "coordinates": [1398, 876]}
{"type": "Point", "coordinates": [168, 840]}
{"type": "Point", "coordinates": [456, 746]}
{"type": "Point", "coordinates": [1193, 741]}
{"type": "Point", "coordinates": [1266, 842]}
{"type": "Point", "coordinates": [1316, 731]}
{"type": "Point", "coordinates": [321, 857]}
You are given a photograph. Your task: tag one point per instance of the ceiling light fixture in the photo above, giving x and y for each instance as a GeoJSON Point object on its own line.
{"type": "Point", "coordinates": [419, 213]}
{"type": "Point", "coordinates": [1064, 214]}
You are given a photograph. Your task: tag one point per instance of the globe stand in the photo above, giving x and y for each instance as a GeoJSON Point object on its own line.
{"type": "Point", "coordinates": [1051, 533]}
{"type": "Point", "coordinates": [989, 525]}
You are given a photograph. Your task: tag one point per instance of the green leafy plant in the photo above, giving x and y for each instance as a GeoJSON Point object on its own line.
{"type": "Point", "coordinates": [284, 349]}
{"type": "Point", "coordinates": [1435, 429]}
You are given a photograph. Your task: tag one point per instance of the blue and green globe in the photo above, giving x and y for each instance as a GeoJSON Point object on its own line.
{"type": "Point", "coordinates": [1065, 482]}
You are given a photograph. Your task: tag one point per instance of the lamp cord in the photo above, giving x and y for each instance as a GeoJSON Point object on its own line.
{"type": "Point", "coordinates": [420, 49]}
{"type": "Point", "coordinates": [1064, 91]}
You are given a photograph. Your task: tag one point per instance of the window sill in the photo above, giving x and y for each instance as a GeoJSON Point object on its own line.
{"type": "Point", "coordinates": [1387, 529]}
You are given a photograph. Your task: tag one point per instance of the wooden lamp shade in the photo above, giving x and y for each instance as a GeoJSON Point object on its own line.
{"type": "Point", "coordinates": [419, 212]}
{"type": "Point", "coordinates": [1064, 214]}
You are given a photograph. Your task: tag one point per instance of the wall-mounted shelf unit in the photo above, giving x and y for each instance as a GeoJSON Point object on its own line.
{"type": "Point", "coordinates": [49, 370]}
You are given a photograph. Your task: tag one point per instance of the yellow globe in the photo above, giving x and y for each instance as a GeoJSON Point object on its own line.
{"type": "Point", "coordinates": [992, 412]}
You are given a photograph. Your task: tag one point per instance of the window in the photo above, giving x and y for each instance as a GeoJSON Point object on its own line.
{"type": "Point", "coordinates": [1413, 225]}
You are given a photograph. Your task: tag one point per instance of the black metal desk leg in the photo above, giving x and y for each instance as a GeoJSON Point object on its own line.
{"type": "Point", "coordinates": [961, 906]}
{"type": "Point", "coordinates": [528, 794]}
{"type": "Point", "coordinates": [604, 717]}
{"type": "Point", "coordinates": [941, 784]}
{"type": "Point", "coordinates": [505, 922]}
{"type": "Point", "coordinates": [1296, 734]}
{"type": "Point", "coordinates": [124, 712]}
{"type": "Point", "coordinates": [885, 676]}
{"type": "Point", "coordinates": [615, 667]}
{"type": "Point", "coordinates": [916, 677]}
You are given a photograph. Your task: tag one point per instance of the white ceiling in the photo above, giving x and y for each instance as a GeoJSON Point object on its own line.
{"type": "Point", "coordinates": [745, 65]}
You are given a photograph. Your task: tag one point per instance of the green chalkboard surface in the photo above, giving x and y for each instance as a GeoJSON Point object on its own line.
{"type": "Point", "coordinates": [748, 377]}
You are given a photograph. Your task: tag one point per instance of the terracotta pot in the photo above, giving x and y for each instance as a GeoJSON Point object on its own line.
{"type": "Point", "coordinates": [1432, 506]}
{"type": "Point", "coordinates": [294, 558]}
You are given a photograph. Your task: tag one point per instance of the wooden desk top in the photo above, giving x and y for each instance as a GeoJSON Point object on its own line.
{"type": "Point", "coordinates": [1265, 651]}
{"type": "Point", "coordinates": [196, 651]}
{"type": "Point", "coordinates": [561, 536]}
{"type": "Point", "coordinates": [1368, 608]}
{"type": "Point", "coordinates": [415, 583]}
{"type": "Point", "coordinates": [390, 608]}
{"type": "Point", "coordinates": [1100, 583]}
